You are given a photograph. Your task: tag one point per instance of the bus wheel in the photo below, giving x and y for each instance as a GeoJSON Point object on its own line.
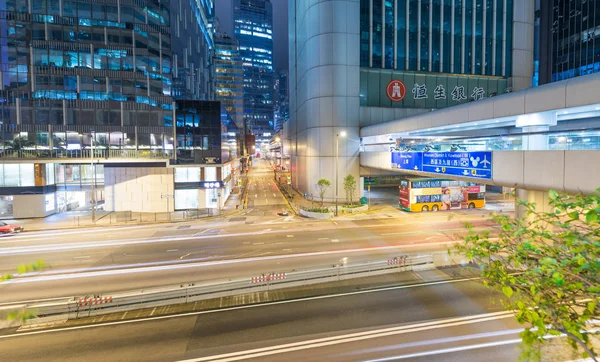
{"type": "Point", "coordinates": [471, 206]}
{"type": "Point", "coordinates": [425, 208]}
{"type": "Point", "coordinates": [435, 208]}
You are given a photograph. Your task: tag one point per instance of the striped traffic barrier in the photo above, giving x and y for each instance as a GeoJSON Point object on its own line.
{"type": "Point", "coordinates": [94, 301]}
{"type": "Point", "coordinates": [268, 277]}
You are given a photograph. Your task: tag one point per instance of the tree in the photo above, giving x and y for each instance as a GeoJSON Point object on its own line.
{"type": "Point", "coordinates": [323, 184]}
{"type": "Point", "coordinates": [18, 143]}
{"type": "Point", "coordinates": [24, 313]}
{"type": "Point", "coordinates": [350, 187]}
{"type": "Point", "coordinates": [548, 267]}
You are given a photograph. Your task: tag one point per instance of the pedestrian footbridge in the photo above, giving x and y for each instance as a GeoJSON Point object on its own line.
{"type": "Point", "coordinates": [536, 139]}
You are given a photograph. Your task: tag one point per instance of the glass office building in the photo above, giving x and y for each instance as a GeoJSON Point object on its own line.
{"type": "Point", "coordinates": [229, 77]}
{"type": "Point", "coordinates": [444, 36]}
{"type": "Point", "coordinates": [446, 52]}
{"type": "Point", "coordinates": [567, 39]}
{"type": "Point", "coordinates": [73, 71]}
{"type": "Point", "coordinates": [253, 27]}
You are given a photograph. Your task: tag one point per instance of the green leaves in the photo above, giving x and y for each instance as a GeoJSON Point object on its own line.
{"type": "Point", "coordinates": [591, 217]}
{"type": "Point", "coordinates": [507, 291]}
{"type": "Point", "coordinates": [547, 267]}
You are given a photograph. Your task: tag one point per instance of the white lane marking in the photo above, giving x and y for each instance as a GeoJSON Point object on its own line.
{"type": "Point", "coordinates": [258, 243]}
{"type": "Point", "coordinates": [323, 238]}
{"type": "Point", "coordinates": [290, 236]}
{"type": "Point", "coordinates": [256, 306]}
{"type": "Point", "coordinates": [335, 241]}
{"type": "Point", "coordinates": [353, 337]}
{"type": "Point", "coordinates": [81, 257]}
{"type": "Point", "coordinates": [449, 350]}
{"type": "Point", "coordinates": [172, 250]}
{"type": "Point", "coordinates": [123, 242]}
{"type": "Point", "coordinates": [171, 265]}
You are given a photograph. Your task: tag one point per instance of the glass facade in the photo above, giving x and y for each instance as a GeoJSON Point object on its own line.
{"type": "Point", "coordinates": [253, 27]}
{"type": "Point", "coordinates": [229, 77]}
{"type": "Point", "coordinates": [73, 71]}
{"type": "Point", "coordinates": [442, 36]}
{"type": "Point", "coordinates": [575, 42]}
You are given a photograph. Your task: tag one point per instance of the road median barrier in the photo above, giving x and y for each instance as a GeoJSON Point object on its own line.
{"type": "Point", "coordinates": [89, 306]}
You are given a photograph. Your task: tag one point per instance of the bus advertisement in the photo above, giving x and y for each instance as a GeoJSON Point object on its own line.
{"type": "Point", "coordinates": [425, 194]}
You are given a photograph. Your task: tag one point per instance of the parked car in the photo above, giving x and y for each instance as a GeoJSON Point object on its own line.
{"type": "Point", "coordinates": [9, 228]}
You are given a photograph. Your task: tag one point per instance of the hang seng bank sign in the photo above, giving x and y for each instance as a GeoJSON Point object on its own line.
{"type": "Point", "coordinates": [431, 90]}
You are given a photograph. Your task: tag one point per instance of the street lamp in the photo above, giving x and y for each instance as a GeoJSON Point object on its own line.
{"type": "Point", "coordinates": [337, 148]}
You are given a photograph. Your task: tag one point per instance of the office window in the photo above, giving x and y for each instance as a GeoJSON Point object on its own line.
{"type": "Point", "coordinates": [457, 36]}
{"type": "Point", "coordinates": [401, 23]}
{"type": "Point", "coordinates": [377, 33]}
{"type": "Point", "coordinates": [468, 37]}
{"type": "Point", "coordinates": [389, 34]}
{"type": "Point", "coordinates": [186, 199]}
{"type": "Point", "coordinates": [413, 26]}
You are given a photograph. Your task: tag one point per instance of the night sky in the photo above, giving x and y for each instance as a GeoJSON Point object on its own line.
{"type": "Point", "coordinates": [224, 10]}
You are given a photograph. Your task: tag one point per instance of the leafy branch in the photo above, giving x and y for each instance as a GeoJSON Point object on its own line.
{"type": "Point", "coordinates": [548, 267]}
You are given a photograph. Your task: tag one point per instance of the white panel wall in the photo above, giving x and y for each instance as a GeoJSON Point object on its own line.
{"type": "Point", "coordinates": [30, 206]}
{"type": "Point", "coordinates": [569, 171]}
{"type": "Point", "coordinates": [138, 189]}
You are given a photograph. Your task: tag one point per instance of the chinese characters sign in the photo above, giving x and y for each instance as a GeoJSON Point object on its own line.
{"type": "Point", "coordinates": [465, 164]}
{"type": "Point", "coordinates": [405, 89]}
{"type": "Point", "coordinates": [412, 161]}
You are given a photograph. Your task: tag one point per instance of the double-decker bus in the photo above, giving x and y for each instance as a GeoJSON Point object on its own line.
{"type": "Point", "coordinates": [431, 194]}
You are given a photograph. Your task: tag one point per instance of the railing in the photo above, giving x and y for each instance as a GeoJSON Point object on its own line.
{"type": "Point", "coordinates": [83, 154]}
{"type": "Point", "coordinates": [85, 306]}
{"type": "Point", "coordinates": [130, 217]}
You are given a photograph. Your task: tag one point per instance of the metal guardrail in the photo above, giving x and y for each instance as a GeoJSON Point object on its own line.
{"type": "Point", "coordinates": [86, 306]}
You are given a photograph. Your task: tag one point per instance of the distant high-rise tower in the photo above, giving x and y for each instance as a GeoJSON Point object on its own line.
{"type": "Point", "coordinates": [229, 77]}
{"type": "Point", "coordinates": [253, 24]}
{"type": "Point", "coordinates": [282, 106]}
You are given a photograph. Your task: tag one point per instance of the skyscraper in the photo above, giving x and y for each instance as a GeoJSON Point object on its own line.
{"type": "Point", "coordinates": [96, 82]}
{"type": "Point", "coordinates": [567, 39]}
{"type": "Point", "coordinates": [253, 24]}
{"type": "Point", "coordinates": [229, 77]}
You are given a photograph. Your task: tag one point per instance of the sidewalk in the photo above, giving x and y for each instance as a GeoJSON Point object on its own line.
{"type": "Point", "coordinates": [83, 219]}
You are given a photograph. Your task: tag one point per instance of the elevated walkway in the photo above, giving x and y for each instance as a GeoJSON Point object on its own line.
{"type": "Point", "coordinates": [536, 139]}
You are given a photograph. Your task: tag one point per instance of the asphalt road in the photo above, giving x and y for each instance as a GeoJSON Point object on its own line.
{"type": "Point", "coordinates": [100, 261]}
{"type": "Point", "coordinates": [447, 322]}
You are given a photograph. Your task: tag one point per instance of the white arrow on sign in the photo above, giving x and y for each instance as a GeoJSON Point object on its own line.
{"type": "Point", "coordinates": [437, 169]}
{"type": "Point", "coordinates": [465, 172]}
{"type": "Point", "coordinates": [416, 168]}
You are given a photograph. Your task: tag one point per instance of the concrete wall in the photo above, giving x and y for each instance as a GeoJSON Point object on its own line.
{"type": "Point", "coordinates": [569, 171]}
{"type": "Point", "coordinates": [138, 189]}
{"type": "Point", "coordinates": [324, 90]}
{"type": "Point", "coordinates": [375, 115]}
{"type": "Point", "coordinates": [30, 206]}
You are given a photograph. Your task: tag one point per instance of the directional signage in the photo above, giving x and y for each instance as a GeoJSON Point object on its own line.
{"type": "Point", "coordinates": [410, 161]}
{"type": "Point", "coordinates": [466, 164]}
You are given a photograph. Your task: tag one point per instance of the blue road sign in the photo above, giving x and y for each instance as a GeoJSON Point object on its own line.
{"type": "Point", "coordinates": [410, 161]}
{"type": "Point", "coordinates": [466, 164]}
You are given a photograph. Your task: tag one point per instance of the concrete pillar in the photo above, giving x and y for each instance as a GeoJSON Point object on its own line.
{"type": "Point", "coordinates": [522, 46]}
{"type": "Point", "coordinates": [535, 142]}
{"type": "Point", "coordinates": [536, 123]}
{"type": "Point", "coordinates": [540, 198]}
{"type": "Point", "coordinates": [324, 91]}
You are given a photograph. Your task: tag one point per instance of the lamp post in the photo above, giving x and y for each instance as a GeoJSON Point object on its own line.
{"type": "Point", "coordinates": [93, 200]}
{"type": "Point", "coordinates": [337, 148]}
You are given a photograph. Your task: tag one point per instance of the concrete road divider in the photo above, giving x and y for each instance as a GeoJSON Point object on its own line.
{"type": "Point", "coordinates": [87, 306]}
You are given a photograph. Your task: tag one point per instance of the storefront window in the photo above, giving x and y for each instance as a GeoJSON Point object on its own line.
{"type": "Point", "coordinates": [210, 174]}
{"type": "Point", "coordinates": [186, 199]}
{"type": "Point", "coordinates": [187, 174]}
